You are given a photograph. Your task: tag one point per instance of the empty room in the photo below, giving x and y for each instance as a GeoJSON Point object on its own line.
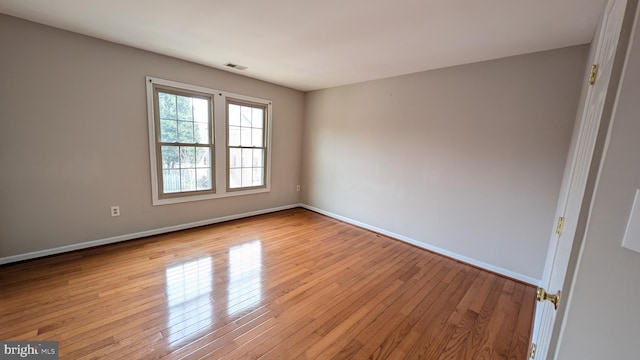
{"type": "Point", "coordinates": [288, 179]}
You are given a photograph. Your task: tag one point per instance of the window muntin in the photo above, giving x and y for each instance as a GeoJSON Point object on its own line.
{"type": "Point", "coordinates": [246, 145]}
{"type": "Point", "coordinates": [191, 145]}
{"type": "Point", "coordinates": [184, 141]}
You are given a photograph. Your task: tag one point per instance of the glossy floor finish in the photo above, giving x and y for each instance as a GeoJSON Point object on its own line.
{"type": "Point", "coordinates": [288, 285]}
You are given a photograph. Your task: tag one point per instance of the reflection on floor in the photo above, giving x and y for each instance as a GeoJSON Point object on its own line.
{"type": "Point", "coordinates": [245, 276]}
{"type": "Point", "coordinates": [287, 285]}
{"type": "Point", "coordinates": [189, 287]}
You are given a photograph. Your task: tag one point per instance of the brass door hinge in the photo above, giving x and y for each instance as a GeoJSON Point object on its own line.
{"type": "Point", "coordinates": [593, 74]}
{"type": "Point", "coordinates": [560, 226]}
{"type": "Point", "coordinates": [532, 351]}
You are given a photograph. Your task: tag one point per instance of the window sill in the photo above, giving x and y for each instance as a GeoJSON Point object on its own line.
{"type": "Point", "coordinates": [177, 200]}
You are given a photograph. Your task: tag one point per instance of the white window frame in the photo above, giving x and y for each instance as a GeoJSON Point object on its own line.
{"type": "Point", "coordinates": [219, 129]}
{"type": "Point", "coordinates": [265, 129]}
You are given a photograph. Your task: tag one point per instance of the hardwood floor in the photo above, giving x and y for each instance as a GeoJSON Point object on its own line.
{"type": "Point", "coordinates": [287, 285]}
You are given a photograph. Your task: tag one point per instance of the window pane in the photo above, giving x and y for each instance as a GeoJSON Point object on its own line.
{"type": "Point", "coordinates": [185, 132]}
{"type": "Point", "coordinates": [171, 181]}
{"type": "Point", "coordinates": [188, 179]}
{"type": "Point", "coordinates": [170, 157]}
{"type": "Point", "coordinates": [235, 155]}
{"type": "Point", "coordinates": [245, 118]}
{"type": "Point", "coordinates": [185, 110]}
{"type": "Point", "coordinates": [234, 136]}
{"type": "Point", "coordinates": [247, 156]}
{"type": "Point", "coordinates": [235, 177]}
{"type": "Point", "coordinates": [256, 137]}
{"type": "Point", "coordinates": [257, 177]}
{"type": "Point", "coordinates": [258, 158]}
{"type": "Point", "coordinates": [187, 157]}
{"type": "Point", "coordinates": [246, 130]}
{"type": "Point", "coordinates": [246, 177]}
{"type": "Point", "coordinates": [234, 115]}
{"type": "Point", "coordinates": [245, 134]}
{"type": "Point", "coordinates": [167, 106]}
{"type": "Point", "coordinates": [201, 133]}
{"type": "Point", "coordinates": [204, 179]}
{"type": "Point", "coordinates": [168, 131]}
{"type": "Point", "coordinates": [203, 157]}
{"type": "Point", "coordinates": [200, 110]}
{"type": "Point", "coordinates": [257, 117]}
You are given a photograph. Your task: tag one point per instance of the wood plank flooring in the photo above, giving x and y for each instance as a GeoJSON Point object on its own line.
{"type": "Point", "coordinates": [288, 285]}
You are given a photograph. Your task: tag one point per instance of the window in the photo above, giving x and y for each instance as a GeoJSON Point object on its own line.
{"type": "Point", "coordinates": [246, 145]}
{"type": "Point", "coordinates": [206, 143]}
{"type": "Point", "coordinates": [184, 141]}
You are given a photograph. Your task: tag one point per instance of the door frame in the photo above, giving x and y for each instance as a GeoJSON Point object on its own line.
{"type": "Point", "coordinates": [627, 21]}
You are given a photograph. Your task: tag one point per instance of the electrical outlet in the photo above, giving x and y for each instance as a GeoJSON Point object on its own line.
{"type": "Point", "coordinates": [298, 188]}
{"type": "Point", "coordinates": [115, 211]}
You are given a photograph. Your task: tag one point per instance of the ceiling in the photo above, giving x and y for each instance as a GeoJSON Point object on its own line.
{"type": "Point", "coordinates": [313, 44]}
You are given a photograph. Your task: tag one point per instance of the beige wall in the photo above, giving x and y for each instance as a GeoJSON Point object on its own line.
{"type": "Point", "coordinates": [467, 159]}
{"type": "Point", "coordinates": [73, 139]}
{"type": "Point", "coordinates": [602, 320]}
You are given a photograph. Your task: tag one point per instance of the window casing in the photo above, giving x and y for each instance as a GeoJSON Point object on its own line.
{"type": "Point", "coordinates": [191, 143]}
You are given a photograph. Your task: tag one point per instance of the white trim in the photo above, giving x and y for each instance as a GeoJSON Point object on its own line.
{"type": "Point", "coordinates": [568, 301]}
{"type": "Point", "coordinates": [125, 237]}
{"type": "Point", "coordinates": [219, 128]}
{"type": "Point", "coordinates": [447, 253]}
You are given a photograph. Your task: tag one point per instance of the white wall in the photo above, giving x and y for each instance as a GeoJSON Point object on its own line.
{"type": "Point", "coordinates": [602, 320]}
{"type": "Point", "coordinates": [467, 159]}
{"type": "Point", "coordinates": [73, 139]}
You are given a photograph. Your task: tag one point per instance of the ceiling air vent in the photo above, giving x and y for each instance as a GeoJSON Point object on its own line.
{"type": "Point", "coordinates": [236, 66]}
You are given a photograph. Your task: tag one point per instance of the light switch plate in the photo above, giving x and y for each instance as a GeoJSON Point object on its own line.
{"type": "Point", "coordinates": [631, 238]}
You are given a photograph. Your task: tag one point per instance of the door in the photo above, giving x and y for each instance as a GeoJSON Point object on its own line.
{"type": "Point", "coordinates": [576, 173]}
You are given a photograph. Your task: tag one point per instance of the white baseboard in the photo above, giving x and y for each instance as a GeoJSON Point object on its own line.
{"type": "Point", "coordinates": [125, 237]}
{"type": "Point", "coordinates": [447, 253]}
{"type": "Point", "coordinates": [119, 238]}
